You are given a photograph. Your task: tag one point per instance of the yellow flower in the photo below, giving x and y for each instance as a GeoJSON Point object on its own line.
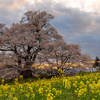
{"type": "Point", "coordinates": [75, 91]}
{"type": "Point", "coordinates": [33, 95]}
{"type": "Point", "coordinates": [16, 79]}
{"type": "Point", "coordinates": [2, 81]}
{"type": "Point", "coordinates": [21, 77]}
{"type": "Point", "coordinates": [87, 82]}
{"type": "Point", "coordinates": [40, 90]}
{"type": "Point", "coordinates": [37, 76]}
{"type": "Point", "coordinates": [15, 98]}
{"type": "Point", "coordinates": [74, 85]}
{"type": "Point", "coordinates": [10, 96]}
{"type": "Point", "coordinates": [50, 96]}
{"type": "Point", "coordinates": [12, 89]}
{"type": "Point", "coordinates": [27, 95]}
{"type": "Point", "coordinates": [93, 99]}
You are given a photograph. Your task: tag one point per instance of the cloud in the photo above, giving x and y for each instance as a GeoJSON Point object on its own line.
{"type": "Point", "coordinates": [12, 10]}
{"type": "Point", "coordinates": [88, 43]}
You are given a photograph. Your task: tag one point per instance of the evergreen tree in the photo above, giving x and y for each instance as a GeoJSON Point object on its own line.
{"type": "Point", "coordinates": [96, 62]}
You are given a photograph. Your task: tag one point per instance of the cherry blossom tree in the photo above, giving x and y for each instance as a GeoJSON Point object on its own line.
{"type": "Point", "coordinates": [62, 53]}
{"type": "Point", "coordinates": [86, 60]}
{"type": "Point", "coordinates": [30, 36]}
{"type": "Point", "coordinates": [34, 40]}
{"type": "Point", "coordinates": [7, 59]}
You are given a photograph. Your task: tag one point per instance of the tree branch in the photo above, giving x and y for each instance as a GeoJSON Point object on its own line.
{"type": "Point", "coordinates": [6, 50]}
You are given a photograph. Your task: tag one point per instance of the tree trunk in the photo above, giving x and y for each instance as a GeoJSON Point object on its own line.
{"type": "Point", "coordinates": [28, 65]}
{"type": "Point", "coordinates": [19, 62]}
{"type": "Point", "coordinates": [26, 71]}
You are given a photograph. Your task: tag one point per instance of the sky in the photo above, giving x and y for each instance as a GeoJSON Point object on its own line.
{"type": "Point", "coordinates": [78, 21]}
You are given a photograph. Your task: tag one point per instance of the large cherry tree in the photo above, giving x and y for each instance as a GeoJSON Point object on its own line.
{"type": "Point", "coordinates": [30, 36]}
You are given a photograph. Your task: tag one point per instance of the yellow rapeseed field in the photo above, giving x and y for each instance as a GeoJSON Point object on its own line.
{"type": "Point", "coordinates": [79, 87]}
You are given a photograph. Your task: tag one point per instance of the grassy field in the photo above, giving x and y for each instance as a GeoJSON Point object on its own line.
{"type": "Point", "coordinates": [80, 87]}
